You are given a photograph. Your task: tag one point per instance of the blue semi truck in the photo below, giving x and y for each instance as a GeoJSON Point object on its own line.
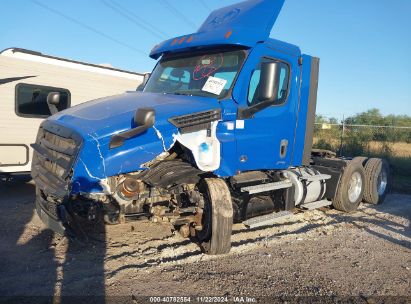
{"type": "Point", "coordinates": [220, 132]}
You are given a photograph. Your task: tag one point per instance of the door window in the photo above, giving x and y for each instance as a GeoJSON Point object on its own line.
{"type": "Point", "coordinates": [31, 100]}
{"type": "Point", "coordinates": [283, 84]}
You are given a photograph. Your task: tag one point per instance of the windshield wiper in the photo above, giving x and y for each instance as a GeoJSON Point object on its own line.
{"type": "Point", "coordinates": [178, 93]}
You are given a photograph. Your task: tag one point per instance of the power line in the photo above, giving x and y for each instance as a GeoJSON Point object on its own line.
{"type": "Point", "coordinates": [121, 10]}
{"type": "Point", "coordinates": [205, 5]}
{"type": "Point", "coordinates": [138, 17]}
{"type": "Point", "coordinates": [177, 13]}
{"type": "Point", "coordinates": [92, 29]}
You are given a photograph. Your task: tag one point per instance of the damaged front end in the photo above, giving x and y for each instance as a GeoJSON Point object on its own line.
{"type": "Point", "coordinates": [55, 153]}
{"type": "Point", "coordinates": [155, 174]}
{"type": "Point", "coordinates": [166, 192]}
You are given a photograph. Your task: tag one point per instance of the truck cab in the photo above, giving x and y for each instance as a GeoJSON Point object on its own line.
{"type": "Point", "coordinates": [221, 133]}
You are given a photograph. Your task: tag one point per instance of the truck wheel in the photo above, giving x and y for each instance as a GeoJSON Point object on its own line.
{"type": "Point", "coordinates": [377, 180]}
{"type": "Point", "coordinates": [360, 159]}
{"type": "Point", "coordinates": [351, 188]}
{"type": "Point", "coordinates": [217, 219]}
{"type": "Point", "coordinates": [111, 214]}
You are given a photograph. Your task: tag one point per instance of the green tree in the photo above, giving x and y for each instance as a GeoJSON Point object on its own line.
{"type": "Point", "coordinates": [370, 117]}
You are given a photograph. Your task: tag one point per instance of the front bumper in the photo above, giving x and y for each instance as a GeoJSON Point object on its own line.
{"type": "Point", "coordinates": [52, 223]}
{"type": "Point", "coordinates": [55, 152]}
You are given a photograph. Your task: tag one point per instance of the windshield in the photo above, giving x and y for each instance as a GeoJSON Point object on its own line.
{"type": "Point", "coordinates": [207, 74]}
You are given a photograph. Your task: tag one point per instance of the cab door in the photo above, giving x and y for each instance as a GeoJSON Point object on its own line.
{"type": "Point", "coordinates": [265, 139]}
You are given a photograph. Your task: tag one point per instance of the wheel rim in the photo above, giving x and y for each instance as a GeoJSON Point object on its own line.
{"type": "Point", "coordinates": [382, 181]}
{"type": "Point", "coordinates": [354, 190]}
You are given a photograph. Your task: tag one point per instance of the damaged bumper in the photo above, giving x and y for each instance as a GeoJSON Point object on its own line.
{"type": "Point", "coordinates": [55, 224]}
{"type": "Point", "coordinates": [55, 153]}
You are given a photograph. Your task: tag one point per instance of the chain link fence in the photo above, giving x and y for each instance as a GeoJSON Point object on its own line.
{"type": "Point", "coordinates": [352, 140]}
{"type": "Point", "coordinates": [390, 142]}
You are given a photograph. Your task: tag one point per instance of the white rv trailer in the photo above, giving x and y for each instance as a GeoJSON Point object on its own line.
{"type": "Point", "coordinates": [26, 78]}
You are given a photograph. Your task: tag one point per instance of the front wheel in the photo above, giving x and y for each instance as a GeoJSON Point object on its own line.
{"type": "Point", "coordinates": [351, 188]}
{"type": "Point", "coordinates": [217, 218]}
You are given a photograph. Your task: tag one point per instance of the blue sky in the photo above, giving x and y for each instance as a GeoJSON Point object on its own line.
{"type": "Point", "coordinates": [364, 45]}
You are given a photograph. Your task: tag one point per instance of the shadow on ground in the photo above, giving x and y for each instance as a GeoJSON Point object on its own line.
{"type": "Point", "coordinates": [35, 262]}
{"type": "Point", "coordinates": [39, 263]}
{"type": "Point", "coordinates": [378, 220]}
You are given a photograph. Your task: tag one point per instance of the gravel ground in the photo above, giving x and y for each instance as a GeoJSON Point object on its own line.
{"type": "Point", "coordinates": [320, 255]}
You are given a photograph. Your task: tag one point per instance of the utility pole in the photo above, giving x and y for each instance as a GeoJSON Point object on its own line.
{"type": "Point", "coordinates": [342, 136]}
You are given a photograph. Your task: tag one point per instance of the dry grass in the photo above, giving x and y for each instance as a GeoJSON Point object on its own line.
{"type": "Point", "coordinates": [398, 155]}
{"type": "Point", "coordinates": [398, 149]}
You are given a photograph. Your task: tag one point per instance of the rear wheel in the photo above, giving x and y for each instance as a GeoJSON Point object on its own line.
{"type": "Point", "coordinates": [360, 159]}
{"type": "Point", "coordinates": [377, 180]}
{"type": "Point", "coordinates": [217, 219]}
{"type": "Point", "coordinates": [351, 188]}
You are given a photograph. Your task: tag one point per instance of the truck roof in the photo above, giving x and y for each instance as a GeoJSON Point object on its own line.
{"type": "Point", "coordinates": [243, 24]}
{"type": "Point", "coordinates": [30, 55]}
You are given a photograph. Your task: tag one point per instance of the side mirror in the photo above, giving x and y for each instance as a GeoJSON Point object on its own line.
{"type": "Point", "coordinates": [269, 81]}
{"type": "Point", "coordinates": [143, 84]}
{"type": "Point", "coordinates": [144, 117]}
{"type": "Point", "coordinates": [143, 120]}
{"type": "Point", "coordinates": [267, 89]}
{"type": "Point", "coordinates": [53, 100]}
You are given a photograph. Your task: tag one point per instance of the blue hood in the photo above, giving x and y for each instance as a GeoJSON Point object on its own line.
{"type": "Point", "coordinates": [96, 121]}
{"type": "Point", "coordinates": [106, 116]}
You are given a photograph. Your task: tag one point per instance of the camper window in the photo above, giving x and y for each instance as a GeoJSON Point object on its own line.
{"type": "Point", "coordinates": [31, 100]}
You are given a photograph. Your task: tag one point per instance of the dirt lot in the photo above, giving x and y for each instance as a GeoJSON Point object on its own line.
{"type": "Point", "coordinates": [324, 254]}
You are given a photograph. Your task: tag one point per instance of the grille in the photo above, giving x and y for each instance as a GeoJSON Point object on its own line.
{"type": "Point", "coordinates": [55, 151]}
{"type": "Point", "coordinates": [51, 207]}
{"type": "Point", "coordinates": [195, 121]}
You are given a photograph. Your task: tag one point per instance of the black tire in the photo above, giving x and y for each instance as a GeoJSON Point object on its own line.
{"type": "Point", "coordinates": [351, 188]}
{"type": "Point", "coordinates": [377, 180]}
{"type": "Point", "coordinates": [215, 237]}
{"type": "Point", "coordinates": [111, 214]}
{"type": "Point", "coordinates": [360, 159]}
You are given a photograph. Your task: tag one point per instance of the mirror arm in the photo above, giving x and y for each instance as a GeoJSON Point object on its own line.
{"type": "Point", "coordinates": [118, 139]}
{"type": "Point", "coordinates": [53, 99]}
{"type": "Point", "coordinates": [245, 113]}
{"type": "Point", "coordinates": [52, 108]}
{"type": "Point", "coordinates": [143, 120]}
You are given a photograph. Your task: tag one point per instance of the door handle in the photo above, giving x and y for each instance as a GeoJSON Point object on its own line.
{"type": "Point", "coordinates": [283, 148]}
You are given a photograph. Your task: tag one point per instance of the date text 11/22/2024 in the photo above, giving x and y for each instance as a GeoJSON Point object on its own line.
{"type": "Point", "coordinates": [202, 299]}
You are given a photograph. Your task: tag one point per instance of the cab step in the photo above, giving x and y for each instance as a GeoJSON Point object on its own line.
{"type": "Point", "coordinates": [267, 187]}
{"type": "Point", "coordinates": [267, 219]}
{"type": "Point", "coordinates": [314, 178]}
{"type": "Point", "coordinates": [316, 205]}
